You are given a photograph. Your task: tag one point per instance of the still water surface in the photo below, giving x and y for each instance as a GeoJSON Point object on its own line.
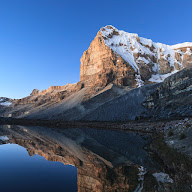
{"type": "Point", "coordinates": [38, 159]}
{"type": "Point", "coordinates": [20, 172]}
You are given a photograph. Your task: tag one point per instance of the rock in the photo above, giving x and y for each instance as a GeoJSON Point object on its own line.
{"type": "Point", "coordinates": [173, 97]}
{"type": "Point", "coordinates": [100, 65]}
{"type": "Point", "coordinates": [34, 92]}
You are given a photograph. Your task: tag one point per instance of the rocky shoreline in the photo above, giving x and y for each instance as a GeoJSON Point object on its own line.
{"type": "Point", "coordinates": [144, 125]}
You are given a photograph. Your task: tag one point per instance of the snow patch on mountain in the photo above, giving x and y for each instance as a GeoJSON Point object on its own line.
{"type": "Point", "coordinates": [5, 102]}
{"type": "Point", "coordinates": [140, 83]}
{"type": "Point", "coordinates": [160, 78]}
{"type": "Point", "coordinates": [162, 177]}
{"type": "Point", "coordinates": [4, 138]}
{"type": "Point", "coordinates": [142, 172]}
{"type": "Point", "coordinates": [188, 52]}
{"type": "Point", "coordinates": [143, 59]}
{"type": "Point", "coordinates": [181, 45]}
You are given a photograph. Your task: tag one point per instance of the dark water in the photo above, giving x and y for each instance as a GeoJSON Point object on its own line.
{"type": "Point", "coordinates": [20, 172]}
{"type": "Point", "coordinates": [34, 159]}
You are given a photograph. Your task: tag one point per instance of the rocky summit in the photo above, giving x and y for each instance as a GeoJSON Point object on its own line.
{"type": "Point", "coordinates": [122, 77]}
{"type": "Point", "coordinates": [126, 59]}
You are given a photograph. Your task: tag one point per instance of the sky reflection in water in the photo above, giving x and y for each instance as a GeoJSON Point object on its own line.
{"type": "Point", "coordinates": [19, 172]}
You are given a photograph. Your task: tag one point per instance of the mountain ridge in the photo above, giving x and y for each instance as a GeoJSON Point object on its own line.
{"type": "Point", "coordinates": [116, 68]}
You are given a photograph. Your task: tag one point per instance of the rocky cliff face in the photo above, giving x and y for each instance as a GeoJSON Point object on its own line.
{"type": "Point", "coordinates": [173, 97]}
{"type": "Point", "coordinates": [100, 65]}
{"type": "Point", "coordinates": [168, 99]}
{"type": "Point", "coordinates": [126, 59]}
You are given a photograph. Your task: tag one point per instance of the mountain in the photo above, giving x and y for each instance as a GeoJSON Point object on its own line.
{"type": "Point", "coordinates": [122, 77]}
{"type": "Point", "coordinates": [129, 60]}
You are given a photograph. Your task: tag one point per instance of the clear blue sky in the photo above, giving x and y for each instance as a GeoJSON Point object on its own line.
{"type": "Point", "coordinates": [41, 41]}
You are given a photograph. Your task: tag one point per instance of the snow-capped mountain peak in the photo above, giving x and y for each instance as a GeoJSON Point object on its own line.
{"type": "Point", "coordinates": [137, 51]}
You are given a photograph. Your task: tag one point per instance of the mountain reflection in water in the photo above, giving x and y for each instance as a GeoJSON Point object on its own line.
{"type": "Point", "coordinates": [105, 160]}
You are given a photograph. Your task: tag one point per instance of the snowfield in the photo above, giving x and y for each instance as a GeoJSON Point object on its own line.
{"type": "Point", "coordinates": [159, 78]}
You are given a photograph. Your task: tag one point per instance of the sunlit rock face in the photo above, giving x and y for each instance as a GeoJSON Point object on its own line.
{"type": "Point", "coordinates": [129, 60]}
{"type": "Point", "coordinates": [100, 65]}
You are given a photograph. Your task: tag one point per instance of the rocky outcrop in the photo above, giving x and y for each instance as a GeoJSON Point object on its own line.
{"type": "Point", "coordinates": [173, 97]}
{"type": "Point", "coordinates": [183, 53]}
{"type": "Point", "coordinates": [51, 95]}
{"type": "Point", "coordinates": [34, 92]}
